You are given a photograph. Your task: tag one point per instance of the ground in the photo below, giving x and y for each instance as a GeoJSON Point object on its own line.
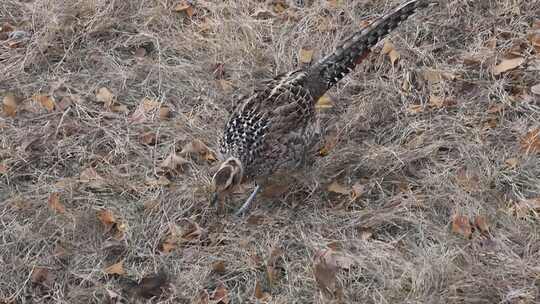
{"type": "Point", "coordinates": [425, 190]}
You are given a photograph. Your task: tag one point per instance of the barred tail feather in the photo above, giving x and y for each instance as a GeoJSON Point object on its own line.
{"type": "Point", "coordinates": [353, 50]}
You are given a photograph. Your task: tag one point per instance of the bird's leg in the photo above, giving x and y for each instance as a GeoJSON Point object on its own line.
{"type": "Point", "coordinates": [248, 202]}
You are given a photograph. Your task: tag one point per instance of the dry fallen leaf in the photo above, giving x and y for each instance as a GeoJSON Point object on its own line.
{"type": "Point", "coordinates": [461, 225]}
{"type": "Point", "coordinates": [329, 143]}
{"type": "Point", "coordinates": [535, 89]}
{"type": "Point", "coordinates": [120, 109]}
{"type": "Point", "coordinates": [481, 223]}
{"type": "Point", "coordinates": [279, 6]}
{"type": "Point", "coordinates": [164, 113]}
{"type": "Point", "coordinates": [225, 85]}
{"type": "Point", "coordinates": [9, 105]}
{"type": "Point", "coordinates": [148, 138]}
{"type": "Point", "coordinates": [436, 101]}
{"type": "Point", "coordinates": [55, 204]}
{"type": "Point", "coordinates": [184, 6]}
{"type": "Point", "coordinates": [357, 191]}
{"type": "Point", "coordinates": [305, 55]}
{"type": "Point", "coordinates": [201, 298]}
{"type": "Point", "coordinates": [468, 178]}
{"type": "Point", "coordinates": [272, 265]}
{"type": "Point", "coordinates": [507, 65]}
{"type": "Point", "coordinates": [415, 109]}
{"type": "Point", "coordinates": [146, 106]}
{"type": "Point", "coordinates": [259, 293]}
{"type": "Point", "coordinates": [389, 50]}
{"type": "Point", "coordinates": [530, 143]}
{"type": "Point", "coordinates": [436, 76]}
{"type": "Point", "coordinates": [191, 232]}
{"type": "Point", "coordinates": [338, 188]}
{"type": "Point", "coordinates": [43, 276]}
{"type": "Point", "coordinates": [152, 285]}
{"type": "Point", "coordinates": [365, 233]}
{"type": "Point", "coordinates": [90, 177]}
{"type": "Point", "coordinates": [512, 162]}
{"type": "Point", "coordinates": [45, 101]}
{"type": "Point", "coordinates": [105, 96]}
{"type": "Point", "coordinates": [159, 182]}
{"type": "Point", "coordinates": [325, 270]}
{"type": "Point", "coordinates": [220, 294]}
{"type": "Point", "coordinates": [117, 268]}
{"type": "Point", "coordinates": [169, 244]}
{"type": "Point", "coordinates": [325, 102]}
{"type": "Point", "coordinates": [140, 52]}
{"type": "Point", "coordinates": [3, 169]}
{"type": "Point", "coordinates": [525, 207]}
{"type": "Point", "coordinates": [219, 267]}
{"type": "Point", "coordinates": [107, 218]}
{"type": "Point", "coordinates": [199, 148]}
{"type": "Point", "coordinates": [173, 162]}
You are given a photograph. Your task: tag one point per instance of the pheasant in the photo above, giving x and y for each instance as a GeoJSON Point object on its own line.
{"type": "Point", "coordinates": [271, 129]}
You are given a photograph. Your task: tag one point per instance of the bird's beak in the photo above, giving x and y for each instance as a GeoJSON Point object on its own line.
{"type": "Point", "coordinates": [214, 199]}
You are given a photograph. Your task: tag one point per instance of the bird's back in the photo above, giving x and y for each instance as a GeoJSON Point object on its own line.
{"type": "Point", "coordinates": [270, 128]}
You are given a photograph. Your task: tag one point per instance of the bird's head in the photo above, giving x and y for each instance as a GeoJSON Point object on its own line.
{"type": "Point", "coordinates": [227, 178]}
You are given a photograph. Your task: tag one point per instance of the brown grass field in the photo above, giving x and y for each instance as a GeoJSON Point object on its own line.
{"type": "Point", "coordinates": [426, 188]}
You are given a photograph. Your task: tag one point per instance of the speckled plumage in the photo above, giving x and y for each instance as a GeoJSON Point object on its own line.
{"type": "Point", "coordinates": [271, 129]}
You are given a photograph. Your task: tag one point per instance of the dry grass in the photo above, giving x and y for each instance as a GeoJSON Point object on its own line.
{"type": "Point", "coordinates": [418, 168]}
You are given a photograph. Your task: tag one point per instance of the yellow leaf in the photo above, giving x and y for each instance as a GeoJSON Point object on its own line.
{"type": "Point", "coordinates": [105, 96]}
{"type": "Point", "coordinates": [507, 65]}
{"type": "Point", "coordinates": [10, 105]}
{"type": "Point", "coordinates": [305, 55]}
{"type": "Point", "coordinates": [55, 204]}
{"type": "Point", "coordinates": [45, 101]}
{"type": "Point", "coordinates": [338, 188]}
{"type": "Point", "coordinates": [324, 102]}
{"type": "Point", "coordinates": [117, 268]}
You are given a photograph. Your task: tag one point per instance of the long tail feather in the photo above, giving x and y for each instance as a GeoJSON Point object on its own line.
{"type": "Point", "coordinates": [325, 74]}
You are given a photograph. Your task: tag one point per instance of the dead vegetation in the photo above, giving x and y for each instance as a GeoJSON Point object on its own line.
{"type": "Point", "coordinates": [425, 190]}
